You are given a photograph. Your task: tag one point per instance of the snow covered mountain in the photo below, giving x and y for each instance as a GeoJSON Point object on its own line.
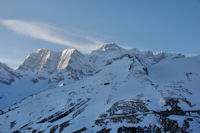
{"type": "Point", "coordinates": [44, 63]}
{"type": "Point", "coordinates": [110, 90]}
{"type": "Point", "coordinates": [7, 75]}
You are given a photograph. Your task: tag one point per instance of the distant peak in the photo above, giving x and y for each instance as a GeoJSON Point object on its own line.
{"type": "Point", "coordinates": [42, 50]}
{"type": "Point", "coordinates": [159, 53]}
{"type": "Point", "coordinates": [109, 45]}
{"type": "Point", "coordinates": [71, 51]}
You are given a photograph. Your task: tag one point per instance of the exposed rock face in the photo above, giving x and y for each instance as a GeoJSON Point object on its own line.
{"type": "Point", "coordinates": [125, 110]}
{"type": "Point", "coordinates": [75, 63]}
{"type": "Point", "coordinates": [41, 61]}
{"type": "Point", "coordinates": [46, 64]}
{"type": "Point", "coordinates": [135, 113]}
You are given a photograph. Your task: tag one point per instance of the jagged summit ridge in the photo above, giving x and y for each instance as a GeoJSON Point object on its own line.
{"type": "Point", "coordinates": [44, 63]}
{"type": "Point", "coordinates": [50, 61]}
{"type": "Point", "coordinates": [111, 46]}
{"type": "Point", "coordinates": [40, 60]}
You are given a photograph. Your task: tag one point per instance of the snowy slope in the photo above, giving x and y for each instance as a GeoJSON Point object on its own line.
{"type": "Point", "coordinates": [178, 78]}
{"type": "Point", "coordinates": [7, 75]}
{"type": "Point", "coordinates": [117, 90]}
{"type": "Point", "coordinates": [41, 70]}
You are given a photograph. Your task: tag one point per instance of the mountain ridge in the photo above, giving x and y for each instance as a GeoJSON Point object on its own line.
{"type": "Point", "coordinates": [46, 61]}
{"type": "Point", "coordinates": [111, 90]}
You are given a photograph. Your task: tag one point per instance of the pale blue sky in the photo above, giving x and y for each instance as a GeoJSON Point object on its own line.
{"type": "Point", "coordinates": [168, 25]}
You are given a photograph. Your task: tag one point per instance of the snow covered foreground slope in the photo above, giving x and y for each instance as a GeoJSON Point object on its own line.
{"type": "Point", "coordinates": [122, 91]}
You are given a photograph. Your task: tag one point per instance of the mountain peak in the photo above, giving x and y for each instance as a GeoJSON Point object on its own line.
{"type": "Point", "coordinates": [71, 51]}
{"type": "Point", "coordinates": [42, 58]}
{"type": "Point", "coordinates": [66, 56]}
{"type": "Point", "coordinates": [41, 50]}
{"type": "Point", "coordinates": [106, 47]}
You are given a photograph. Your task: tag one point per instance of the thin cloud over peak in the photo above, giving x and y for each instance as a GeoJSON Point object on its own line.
{"type": "Point", "coordinates": [52, 34]}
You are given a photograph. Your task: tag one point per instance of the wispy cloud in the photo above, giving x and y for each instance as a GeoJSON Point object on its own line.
{"type": "Point", "coordinates": [52, 34]}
